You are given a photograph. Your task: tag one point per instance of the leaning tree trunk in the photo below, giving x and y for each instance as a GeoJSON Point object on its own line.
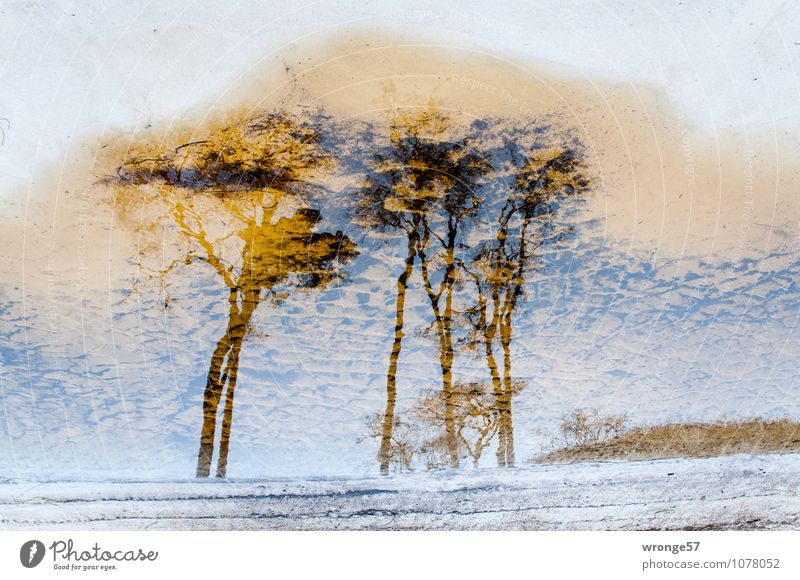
{"type": "Point", "coordinates": [211, 398]}
{"type": "Point", "coordinates": [250, 302]}
{"type": "Point", "coordinates": [394, 357]}
{"type": "Point", "coordinates": [213, 393]}
{"type": "Point", "coordinates": [226, 353]}
{"type": "Point", "coordinates": [232, 370]}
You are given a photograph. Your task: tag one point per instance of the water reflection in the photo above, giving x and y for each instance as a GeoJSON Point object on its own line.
{"type": "Point", "coordinates": [470, 203]}
{"type": "Point", "coordinates": [425, 186]}
{"type": "Point", "coordinates": [421, 438]}
{"type": "Point", "coordinates": [199, 376]}
{"type": "Point", "coordinates": [498, 268]}
{"type": "Point", "coordinates": [284, 208]}
{"type": "Point", "coordinates": [226, 194]}
{"type": "Point", "coordinates": [473, 204]}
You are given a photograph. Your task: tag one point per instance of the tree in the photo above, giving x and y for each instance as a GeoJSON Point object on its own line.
{"type": "Point", "coordinates": [424, 182]}
{"type": "Point", "coordinates": [540, 175]}
{"type": "Point", "coordinates": [232, 199]}
{"type": "Point", "coordinates": [477, 418]}
{"type": "Point", "coordinates": [422, 435]}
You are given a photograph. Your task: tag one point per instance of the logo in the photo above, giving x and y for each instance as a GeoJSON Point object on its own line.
{"type": "Point", "coordinates": [31, 553]}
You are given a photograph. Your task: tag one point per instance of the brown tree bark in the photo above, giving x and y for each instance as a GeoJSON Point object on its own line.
{"type": "Point", "coordinates": [211, 399]}
{"type": "Point", "coordinates": [227, 352]}
{"type": "Point", "coordinates": [443, 319]}
{"type": "Point", "coordinates": [505, 323]}
{"type": "Point", "coordinates": [506, 422]}
{"type": "Point", "coordinates": [227, 415]}
{"type": "Point", "coordinates": [394, 356]}
{"type": "Point", "coordinates": [249, 304]}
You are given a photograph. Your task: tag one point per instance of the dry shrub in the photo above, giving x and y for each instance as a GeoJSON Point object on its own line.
{"type": "Point", "coordinates": [681, 440]}
{"type": "Point", "coordinates": [580, 428]}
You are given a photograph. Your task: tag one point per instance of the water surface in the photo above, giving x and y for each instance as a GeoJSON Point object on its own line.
{"type": "Point", "coordinates": [390, 257]}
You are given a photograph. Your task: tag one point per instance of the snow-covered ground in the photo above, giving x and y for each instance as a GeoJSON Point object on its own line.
{"type": "Point", "coordinates": [735, 492]}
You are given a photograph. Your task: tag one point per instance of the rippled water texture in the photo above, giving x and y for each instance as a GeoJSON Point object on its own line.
{"type": "Point", "coordinates": [382, 256]}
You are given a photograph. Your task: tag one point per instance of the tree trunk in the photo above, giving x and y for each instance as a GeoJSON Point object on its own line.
{"type": "Point", "coordinates": [506, 422]}
{"type": "Point", "coordinates": [447, 355]}
{"type": "Point", "coordinates": [237, 332]}
{"type": "Point", "coordinates": [446, 360]}
{"type": "Point", "coordinates": [394, 357]}
{"type": "Point", "coordinates": [513, 292]}
{"type": "Point", "coordinates": [226, 353]}
{"type": "Point", "coordinates": [499, 397]}
{"type": "Point", "coordinates": [444, 331]}
{"type": "Point", "coordinates": [211, 398]}
{"type": "Point", "coordinates": [227, 415]}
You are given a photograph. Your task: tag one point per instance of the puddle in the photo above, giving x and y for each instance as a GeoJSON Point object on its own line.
{"type": "Point", "coordinates": [363, 256]}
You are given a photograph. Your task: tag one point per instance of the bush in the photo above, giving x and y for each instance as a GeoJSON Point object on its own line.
{"type": "Point", "coordinates": [580, 428]}
{"type": "Point", "coordinates": [595, 438]}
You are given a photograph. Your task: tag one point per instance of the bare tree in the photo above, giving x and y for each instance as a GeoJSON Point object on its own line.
{"type": "Point", "coordinates": [403, 446]}
{"type": "Point", "coordinates": [477, 417]}
{"type": "Point", "coordinates": [422, 436]}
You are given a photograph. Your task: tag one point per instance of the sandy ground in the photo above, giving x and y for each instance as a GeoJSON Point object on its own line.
{"type": "Point", "coordinates": [735, 492]}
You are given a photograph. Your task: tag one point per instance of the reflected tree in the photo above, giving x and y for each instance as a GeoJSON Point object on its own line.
{"type": "Point", "coordinates": [539, 177]}
{"type": "Point", "coordinates": [424, 182]}
{"type": "Point", "coordinates": [421, 437]}
{"type": "Point", "coordinates": [238, 201]}
{"type": "Point", "coordinates": [477, 420]}
{"type": "Point", "coordinates": [475, 203]}
{"type": "Point", "coordinates": [403, 445]}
